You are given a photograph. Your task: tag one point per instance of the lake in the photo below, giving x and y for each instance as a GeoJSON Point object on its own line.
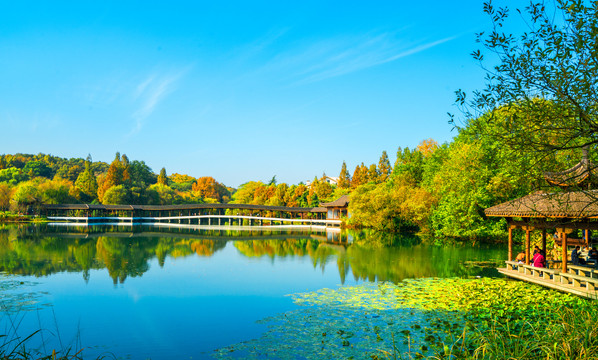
{"type": "Point", "coordinates": [175, 293]}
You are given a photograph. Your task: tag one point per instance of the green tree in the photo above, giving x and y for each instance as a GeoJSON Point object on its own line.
{"type": "Point", "coordinates": [379, 207]}
{"type": "Point", "coordinates": [87, 183]}
{"type": "Point", "coordinates": [162, 178]}
{"type": "Point", "coordinates": [272, 181]}
{"type": "Point", "coordinates": [164, 195]}
{"type": "Point", "coordinates": [463, 195]}
{"type": "Point", "coordinates": [141, 175]}
{"type": "Point", "coordinates": [408, 167]}
{"type": "Point", "coordinates": [182, 183]}
{"type": "Point", "coordinates": [279, 196]}
{"type": "Point", "coordinates": [297, 195]}
{"type": "Point", "coordinates": [12, 175]}
{"type": "Point", "coordinates": [384, 168]}
{"type": "Point", "coordinates": [37, 168]}
{"type": "Point", "coordinates": [245, 193]}
{"type": "Point", "coordinates": [71, 169]}
{"type": "Point", "coordinates": [116, 195]}
{"type": "Point", "coordinates": [55, 192]}
{"type": "Point", "coordinates": [323, 189]}
{"type": "Point", "coordinates": [547, 73]}
{"type": "Point", "coordinates": [25, 196]}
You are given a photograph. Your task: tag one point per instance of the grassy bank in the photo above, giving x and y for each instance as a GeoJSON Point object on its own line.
{"type": "Point", "coordinates": [9, 216]}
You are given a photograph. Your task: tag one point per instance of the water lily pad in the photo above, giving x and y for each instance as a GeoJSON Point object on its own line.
{"type": "Point", "coordinates": [415, 317]}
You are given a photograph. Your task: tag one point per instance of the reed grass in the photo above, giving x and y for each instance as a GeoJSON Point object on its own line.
{"type": "Point", "coordinates": [572, 334]}
{"type": "Point", "coordinates": [13, 346]}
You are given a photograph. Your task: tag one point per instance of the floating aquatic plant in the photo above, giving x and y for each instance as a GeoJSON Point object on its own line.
{"type": "Point", "coordinates": [413, 319]}
{"type": "Point", "coordinates": [15, 295]}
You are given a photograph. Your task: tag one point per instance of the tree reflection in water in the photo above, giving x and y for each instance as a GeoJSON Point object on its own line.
{"type": "Point", "coordinates": [40, 251]}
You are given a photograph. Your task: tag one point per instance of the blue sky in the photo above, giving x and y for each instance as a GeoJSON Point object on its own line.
{"type": "Point", "coordinates": [235, 90]}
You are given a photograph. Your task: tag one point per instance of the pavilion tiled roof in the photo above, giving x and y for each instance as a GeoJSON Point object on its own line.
{"type": "Point", "coordinates": [573, 204]}
{"type": "Point", "coordinates": [583, 172]}
{"type": "Point", "coordinates": [342, 201]}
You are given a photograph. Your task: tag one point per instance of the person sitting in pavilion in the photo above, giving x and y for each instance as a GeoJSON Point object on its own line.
{"type": "Point", "coordinates": [575, 257]}
{"type": "Point", "coordinates": [536, 251]}
{"type": "Point", "coordinates": [539, 259]}
{"type": "Point", "coordinates": [520, 257]}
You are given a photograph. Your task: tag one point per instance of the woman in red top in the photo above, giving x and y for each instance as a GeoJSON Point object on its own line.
{"type": "Point", "coordinates": [538, 260]}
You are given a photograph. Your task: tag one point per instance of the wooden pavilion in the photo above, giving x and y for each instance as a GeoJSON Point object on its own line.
{"type": "Point", "coordinates": [337, 208]}
{"type": "Point", "coordinates": [564, 214]}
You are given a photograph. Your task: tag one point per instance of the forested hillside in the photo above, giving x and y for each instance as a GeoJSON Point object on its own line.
{"type": "Point", "coordinates": [437, 190]}
{"type": "Point", "coordinates": [442, 190]}
{"type": "Point", "coordinates": [27, 181]}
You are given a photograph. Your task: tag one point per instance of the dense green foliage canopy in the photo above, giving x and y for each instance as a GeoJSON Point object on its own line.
{"type": "Point", "coordinates": [543, 75]}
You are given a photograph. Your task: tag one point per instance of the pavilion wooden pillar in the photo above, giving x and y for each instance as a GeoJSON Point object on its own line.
{"type": "Point", "coordinates": [510, 244]}
{"type": "Point", "coordinates": [564, 244]}
{"type": "Point", "coordinates": [544, 242]}
{"type": "Point", "coordinates": [527, 245]}
{"type": "Point", "coordinates": [587, 236]}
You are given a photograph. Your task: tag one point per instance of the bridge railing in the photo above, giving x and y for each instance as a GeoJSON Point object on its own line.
{"type": "Point", "coordinates": [189, 218]}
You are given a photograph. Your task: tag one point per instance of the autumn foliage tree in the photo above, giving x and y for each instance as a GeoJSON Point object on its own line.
{"type": "Point", "coordinates": [359, 176]}
{"type": "Point", "coordinates": [427, 147]}
{"type": "Point", "coordinates": [344, 178]}
{"type": "Point", "coordinates": [373, 174]}
{"type": "Point", "coordinates": [117, 174]}
{"type": "Point", "coordinates": [5, 194]}
{"type": "Point", "coordinates": [208, 188]}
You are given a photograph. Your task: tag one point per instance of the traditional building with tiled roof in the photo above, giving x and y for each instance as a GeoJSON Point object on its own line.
{"type": "Point", "coordinates": [564, 213]}
{"type": "Point", "coordinates": [337, 208]}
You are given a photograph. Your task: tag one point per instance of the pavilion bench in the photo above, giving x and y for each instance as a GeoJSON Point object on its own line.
{"type": "Point", "coordinates": [540, 272]}
{"type": "Point", "coordinates": [576, 281]}
{"type": "Point", "coordinates": [512, 265]}
{"type": "Point", "coordinates": [582, 270]}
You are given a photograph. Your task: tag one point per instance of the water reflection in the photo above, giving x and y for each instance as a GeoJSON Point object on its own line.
{"type": "Point", "coordinates": [127, 252]}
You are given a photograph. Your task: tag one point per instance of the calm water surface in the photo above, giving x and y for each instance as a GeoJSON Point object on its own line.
{"type": "Point", "coordinates": [143, 292]}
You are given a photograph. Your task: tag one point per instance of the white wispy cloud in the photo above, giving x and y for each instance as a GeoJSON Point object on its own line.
{"type": "Point", "coordinates": [344, 55]}
{"type": "Point", "coordinates": [150, 92]}
{"type": "Point", "coordinates": [104, 92]}
{"type": "Point", "coordinates": [257, 47]}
